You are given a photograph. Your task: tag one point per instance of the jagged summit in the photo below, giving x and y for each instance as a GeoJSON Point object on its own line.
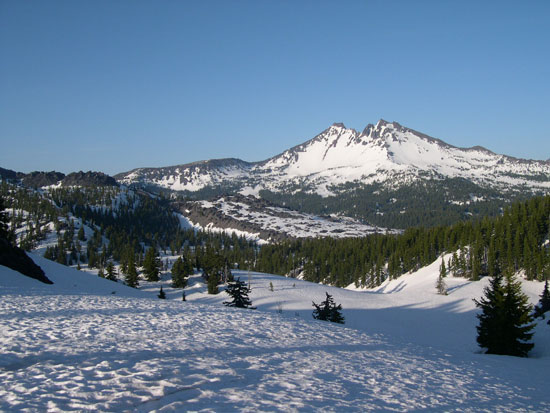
{"type": "Point", "coordinates": [339, 125]}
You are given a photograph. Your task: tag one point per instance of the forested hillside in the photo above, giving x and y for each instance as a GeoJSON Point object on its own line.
{"type": "Point", "coordinates": [96, 226]}
{"type": "Point", "coordinates": [105, 225]}
{"type": "Point", "coordinates": [518, 239]}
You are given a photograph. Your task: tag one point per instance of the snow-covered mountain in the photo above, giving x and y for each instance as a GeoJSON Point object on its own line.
{"type": "Point", "coordinates": [385, 153]}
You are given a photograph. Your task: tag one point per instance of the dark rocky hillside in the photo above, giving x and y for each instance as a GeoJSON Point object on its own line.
{"type": "Point", "coordinates": [89, 179]}
{"type": "Point", "coordinates": [16, 259]}
{"type": "Point", "coordinates": [39, 179]}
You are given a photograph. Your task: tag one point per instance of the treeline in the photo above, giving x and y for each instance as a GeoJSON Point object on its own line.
{"type": "Point", "coordinates": [517, 240]}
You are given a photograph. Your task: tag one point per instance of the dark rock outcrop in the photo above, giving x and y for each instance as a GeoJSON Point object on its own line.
{"type": "Point", "coordinates": [8, 174]}
{"type": "Point", "coordinates": [39, 179]}
{"type": "Point", "coordinates": [89, 179]}
{"type": "Point", "coordinates": [16, 259]}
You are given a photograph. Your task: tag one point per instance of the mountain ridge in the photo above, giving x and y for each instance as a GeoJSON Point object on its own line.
{"type": "Point", "coordinates": [338, 155]}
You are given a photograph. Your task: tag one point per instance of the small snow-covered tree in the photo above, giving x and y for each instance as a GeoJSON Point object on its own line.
{"type": "Point", "coordinates": [239, 292]}
{"type": "Point", "coordinates": [328, 310]}
{"type": "Point", "coordinates": [440, 284]}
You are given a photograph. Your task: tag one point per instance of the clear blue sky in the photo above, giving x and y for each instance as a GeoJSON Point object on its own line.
{"type": "Point", "coordinates": [115, 85]}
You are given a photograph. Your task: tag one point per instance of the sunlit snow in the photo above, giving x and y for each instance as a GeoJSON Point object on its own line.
{"type": "Point", "coordinates": [88, 344]}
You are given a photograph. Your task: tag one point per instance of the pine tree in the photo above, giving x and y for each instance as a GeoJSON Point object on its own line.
{"type": "Point", "coordinates": [442, 269]}
{"type": "Point", "coordinates": [111, 271]}
{"type": "Point", "coordinates": [151, 265]}
{"type": "Point", "coordinates": [212, 283]}
{"type": "Point", "coordinates": [544, 303]}
{"type": "Point", "coordinates": [81, 236]}
{"type": "Point", "coordinates": [504, 322]}
{"type": "Point", "coordinates": [328, 311]}
{"type": "Point", "coordinates": [4, 220]}
{"type": "Point", "coordinates": [162, 294]}
{"type": "Point", "coordinates": [180, 272]}
{"type": "Point", "coordinates": [239, 292]}
{"type": "Point", "coordinates": [131, 277]}
{"type": "Point", "coordinates": [441, 286]}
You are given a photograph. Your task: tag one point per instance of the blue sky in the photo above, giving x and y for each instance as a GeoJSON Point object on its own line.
{"type": "Point", "coordinates": [115, 85]}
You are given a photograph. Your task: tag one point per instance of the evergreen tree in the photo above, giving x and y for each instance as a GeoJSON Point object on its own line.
{"type": "Point", "coordinates": [180, 271]}
{"type": "Point", "coordinates": [212, 283]}
{"type": "Point", "coordinates": [442, 269]}
{"type": "Point", "coordinates": [239, 292]}
{"type": "Point", "coordinates": [162, 294]}
{"type": "Point", "coordinates": [227, 275]}
{"type": "Point", "coordinates": [151, 265]}
{"type": "Point", "coordinates": [4, 220]}
{"type": "Point", "coordinates": [131, 277]}
{"type": "Point", "coordinates": [441, 286]}
{"type": "Point", "coordinates": [111, 271]}
{"type": "Point", "coordinates": [544, 303]}
{"type": "Point", "coordinates": [81, 236]}
{"type": "Point", "coordinates": [328, 311]}
{"type": "Point", "coordinates": [505, 319]}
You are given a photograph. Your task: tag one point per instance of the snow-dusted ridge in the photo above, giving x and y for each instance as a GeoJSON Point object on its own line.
{"type": "Point", "coordinates": [88, 344]}
{"type": "Point", "coordinates": [385, 152]}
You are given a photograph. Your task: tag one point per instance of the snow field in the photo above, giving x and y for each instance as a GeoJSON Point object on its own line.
{"type": "Point", "coordinates": [76, 346]}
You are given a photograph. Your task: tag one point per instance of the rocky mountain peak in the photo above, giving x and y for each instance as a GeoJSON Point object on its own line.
{"type": "Point", "coordinates": [385, 153]}
{"type": "Point", "coordinates": [339, 125]}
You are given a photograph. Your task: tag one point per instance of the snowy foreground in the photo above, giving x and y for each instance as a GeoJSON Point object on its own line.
{"type": "Point", "coordinates": [88, 344]}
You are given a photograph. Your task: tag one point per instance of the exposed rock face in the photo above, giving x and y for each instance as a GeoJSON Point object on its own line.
{"type": "Point", "coordinates": [39, 179]}
{"type": "Point", "coordinates": [262, 220]}
{"type": "Point", "coordinates": [89, 179]}
{"type": "Point", "coordinates": [8, 174]}
{"type": "Point", "coordinates": [16, 259]}
{"type": "Point", "coordinates": [211, 216]}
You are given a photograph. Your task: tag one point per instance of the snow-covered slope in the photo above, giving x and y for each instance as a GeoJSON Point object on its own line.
{"type": "Point", "coordinates": [76, 346]}
{"type": "Point", "coordinates": [385, 153]}
{"type": "Point", "coordinates": [262, 221]}
{"type": "Point", "coordinates": [189, 177]}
